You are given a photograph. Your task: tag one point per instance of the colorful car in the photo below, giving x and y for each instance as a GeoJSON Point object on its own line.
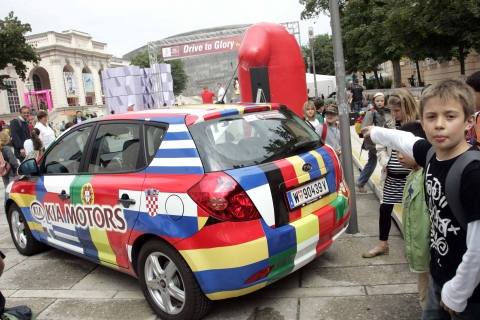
{"type": "Point", "coordinates": [200, 203]}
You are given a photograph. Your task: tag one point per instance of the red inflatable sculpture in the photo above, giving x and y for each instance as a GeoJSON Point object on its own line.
{"type": "Point", "coordinates": [271, 45]}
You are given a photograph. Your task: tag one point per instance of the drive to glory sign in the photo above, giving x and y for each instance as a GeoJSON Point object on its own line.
{"type": "Point", "coordinates": [203, 47]}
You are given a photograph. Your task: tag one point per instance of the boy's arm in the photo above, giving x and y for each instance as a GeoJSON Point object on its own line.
{"type": "Point", "coordinates": [398, 140]}
{"type": "Point", "coordinates": [367, 120]}
{"type": "Point", "coordinates": [456, 292]}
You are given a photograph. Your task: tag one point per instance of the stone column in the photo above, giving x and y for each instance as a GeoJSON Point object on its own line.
{"type": "Point", "coordinates": [57, 83]}
{"type": "Point", "coordinates": [80, 86]}
{"type": "Point", "coordinates": [97, 86]}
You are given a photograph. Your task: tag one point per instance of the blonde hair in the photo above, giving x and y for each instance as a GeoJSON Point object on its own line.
{"type": "Point", "coordinates": [306, 105]}
{"type": "Point", "coordinates": [404, 99]}
{"type": "Point", "coordinates": [451, 90]}
{"type": "Point", "coordinates": [4, 139]}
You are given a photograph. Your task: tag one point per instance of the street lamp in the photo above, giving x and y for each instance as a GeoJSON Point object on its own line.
{"type": "Point", "coordinates": [310, 36]}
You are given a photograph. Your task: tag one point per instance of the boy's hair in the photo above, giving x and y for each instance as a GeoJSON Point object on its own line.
{"type": "Point", "coordinates": [451, 90]}
{"type": "Point", "coordinates": [474, 81]}
{"type": "Point", "coordinates": [404, 99]}
{"type": "Point", "coordinates": [68, 125]}
{"type": "Point", "coordinates": [425, 88]}
{"type": "Point", "coordinates": [306, 105]}
{"type": "Point", "coordinates": [318, 103]}
{"type": "Point", "coordinates": [415, 128]}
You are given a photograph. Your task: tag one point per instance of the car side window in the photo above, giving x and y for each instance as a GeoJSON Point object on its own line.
{"type": "Point", "coordinates": [153, 137]}
{"type": "Point", "coordinates": [117, 149]}
{"type": "Point", "coordinates": [65, 156]}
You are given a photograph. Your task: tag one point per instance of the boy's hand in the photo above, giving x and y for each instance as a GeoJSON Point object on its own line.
{"type": "Point", "coordinates": [366, 132]}
{"type": "Point", "coordinates": [444, 306]}
{"type": "Point", "coordinates": [339, 152]}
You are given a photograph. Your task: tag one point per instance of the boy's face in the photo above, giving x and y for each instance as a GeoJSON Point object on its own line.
{"type": "Point", "coordinates": [331, 117]}
{"type": "Point", "coordinates": [406, 161]}
{"type": "Point", "coordinates": [380, 101]}
{"type": "Point", "coordinates": [445, 124]}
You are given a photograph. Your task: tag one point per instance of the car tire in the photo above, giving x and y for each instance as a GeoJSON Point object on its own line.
{"type": "Point", "coordinates": [166, 280]}
{"type": "Point", "coordinates": [22, 237]}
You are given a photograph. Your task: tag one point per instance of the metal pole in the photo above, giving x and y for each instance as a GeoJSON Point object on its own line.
{"type": "Point", "coordinates": [347, 162]}
{"type": "Point", "coordinates": [313, 63]}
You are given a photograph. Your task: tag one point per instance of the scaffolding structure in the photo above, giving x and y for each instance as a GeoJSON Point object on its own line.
{"type": "Point", "coordinates": [153, 50]}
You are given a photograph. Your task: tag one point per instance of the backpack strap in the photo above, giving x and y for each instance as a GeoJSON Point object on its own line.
{"type": "Point", "coordinates": [374, 113]}
{"type": "Point", "coordinates": [453, 183]}
{"type": "Point", "coordinates": [324, 131]}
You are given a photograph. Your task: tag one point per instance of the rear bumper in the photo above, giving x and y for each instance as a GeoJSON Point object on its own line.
{"type": "Point", "coordinates": [225, 255]}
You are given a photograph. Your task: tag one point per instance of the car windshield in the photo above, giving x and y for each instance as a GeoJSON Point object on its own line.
{"type": "Point", "coordinates": [250, 139]}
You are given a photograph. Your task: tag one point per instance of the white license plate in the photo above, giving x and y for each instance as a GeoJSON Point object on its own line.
{"type": "Point", "coordinates": [307, 193]}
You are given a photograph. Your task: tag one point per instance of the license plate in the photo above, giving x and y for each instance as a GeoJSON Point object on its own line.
{"type": "Point", "coordinates": [307, 193]}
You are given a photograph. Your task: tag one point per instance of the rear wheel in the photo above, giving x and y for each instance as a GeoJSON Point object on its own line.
{"type": "Point", "coordinates": [22, 237]}
{"type": "Point", "coordinates": [168, 283]}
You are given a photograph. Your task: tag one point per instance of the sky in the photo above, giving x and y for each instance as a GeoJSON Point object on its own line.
{"type": "Point", "coordinates": [128, 25]}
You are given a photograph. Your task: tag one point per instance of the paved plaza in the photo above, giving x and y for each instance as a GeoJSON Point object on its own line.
{"type": "Point", "coordinates": [340, 284]}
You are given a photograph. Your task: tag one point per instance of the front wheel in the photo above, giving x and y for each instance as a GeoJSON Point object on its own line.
{"type": "Point", "coordinates": [22, 237]}
{"type": "Point", "coordinates": [168, 283]}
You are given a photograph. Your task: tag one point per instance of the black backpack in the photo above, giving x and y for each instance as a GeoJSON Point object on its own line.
{"type": "Point", "coordinates": [452, 183]}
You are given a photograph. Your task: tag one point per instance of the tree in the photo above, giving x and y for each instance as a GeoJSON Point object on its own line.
{"type": "Point", "coordinates": [323, 52]}
{"type": "Point", "coordinates": [13, 48]}
{"type": "Point", "coordinates": [179, 76]}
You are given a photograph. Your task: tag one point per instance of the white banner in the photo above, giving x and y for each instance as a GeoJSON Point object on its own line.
{"type": "Point", "coordinates": [70, 84]}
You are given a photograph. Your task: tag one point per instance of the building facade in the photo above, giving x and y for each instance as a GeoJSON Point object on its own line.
{"type": "Point", "coordinates": [68, 75]}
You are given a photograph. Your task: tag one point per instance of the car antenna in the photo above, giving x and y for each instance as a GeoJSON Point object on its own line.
{"type": "Point", "coordinates": [223, 98]}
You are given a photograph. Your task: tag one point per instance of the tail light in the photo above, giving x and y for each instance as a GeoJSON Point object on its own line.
{"type": "Point", "coordinates": [259, 275]}
{"type": "Point", "coordinates": [221, 197]}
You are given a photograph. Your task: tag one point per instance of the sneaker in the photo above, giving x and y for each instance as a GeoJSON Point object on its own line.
{"type": "Point", "coordinates": [361, 189]}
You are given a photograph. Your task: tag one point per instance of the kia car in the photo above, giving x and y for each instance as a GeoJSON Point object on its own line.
{"type": "Point", "coordinates": [200, 203]}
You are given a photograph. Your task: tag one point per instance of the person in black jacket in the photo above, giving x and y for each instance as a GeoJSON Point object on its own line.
{"type": "Point", "coordinates": [79, 118]}
{"type": "Point", "coordinates": [20, 131]}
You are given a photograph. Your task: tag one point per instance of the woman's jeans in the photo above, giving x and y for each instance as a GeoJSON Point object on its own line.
{"type": "Point", "coordinates": [369, 167]}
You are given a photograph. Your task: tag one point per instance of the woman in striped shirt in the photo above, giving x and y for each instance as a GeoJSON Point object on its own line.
{"type": "Point", "coordinates": [404, 109]}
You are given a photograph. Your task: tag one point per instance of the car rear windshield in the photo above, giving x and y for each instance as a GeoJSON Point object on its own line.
{"type": "Point", "coordinates": [250, 139]}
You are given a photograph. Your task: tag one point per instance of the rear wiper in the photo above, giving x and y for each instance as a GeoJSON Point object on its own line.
{"type": "Point", "coordinates": [302, 144]}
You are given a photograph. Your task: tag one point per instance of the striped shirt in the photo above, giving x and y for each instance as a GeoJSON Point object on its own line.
{"type": "Point", "coordinates": [395, 182]}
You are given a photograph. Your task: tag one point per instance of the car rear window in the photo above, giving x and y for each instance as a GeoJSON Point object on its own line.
{"type": "Point", "coordinates": [250, 139]}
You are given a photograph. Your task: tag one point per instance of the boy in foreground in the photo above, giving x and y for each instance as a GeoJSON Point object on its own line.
{"type": "Point", "coordinates": [447, 114]}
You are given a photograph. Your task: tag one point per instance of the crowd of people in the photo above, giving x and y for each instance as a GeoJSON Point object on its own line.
{"type": "Point", "coordinates": [430, 164]}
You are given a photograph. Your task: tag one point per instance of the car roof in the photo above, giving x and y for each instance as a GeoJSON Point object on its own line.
{"type": "Point", "coordinates": [196, 113]}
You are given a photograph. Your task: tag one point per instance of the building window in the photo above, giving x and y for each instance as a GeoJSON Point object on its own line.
{"type": "Point", "coordinates": [37, 84]}
{"type": "Point", "coordinates": [13, 99]}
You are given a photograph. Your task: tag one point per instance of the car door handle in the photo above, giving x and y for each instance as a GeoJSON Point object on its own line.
{"type": "Point", "coordinates": [126, 201]}
{"type": "Point", "coordinates": [63, 195]}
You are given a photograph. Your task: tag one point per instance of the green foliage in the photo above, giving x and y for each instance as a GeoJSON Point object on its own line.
{"type": "Point", "coordinates": [141, 60]}
{"type": "Point", "coordinates": [371, 84]}
{"type": "Point", "coordinates": [178, 73]}
{"type": "Point", "coordinates": [387, 83]}
{"type": "Point", "coordinates": [323, 52]}
{"type": "Point", "coordinates": [13, 48]}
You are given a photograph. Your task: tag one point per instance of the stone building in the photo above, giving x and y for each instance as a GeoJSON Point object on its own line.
{"type": "Point", "coordinates": [67, 77]}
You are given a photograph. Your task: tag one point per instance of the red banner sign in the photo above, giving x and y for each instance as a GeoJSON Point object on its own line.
{"type": "Point", "coordinates": [203, 47]}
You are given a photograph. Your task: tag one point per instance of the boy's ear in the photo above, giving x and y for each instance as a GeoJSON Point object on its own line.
{"type": "Point", "coordinates": [470, 122]}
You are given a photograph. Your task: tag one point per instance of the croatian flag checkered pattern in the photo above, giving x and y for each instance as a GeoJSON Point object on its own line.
{"type": "Point", "coordinates": [152, 201]}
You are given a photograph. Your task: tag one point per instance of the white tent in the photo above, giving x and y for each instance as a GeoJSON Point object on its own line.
{"type": "Point", "coordinates": [325, 84]}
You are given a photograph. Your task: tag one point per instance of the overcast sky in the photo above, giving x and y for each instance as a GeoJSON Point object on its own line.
{"type": "Point", "coordinates": [128, 25]}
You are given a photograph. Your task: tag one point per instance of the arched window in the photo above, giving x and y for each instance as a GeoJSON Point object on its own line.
{"type": "Point", "coordinates": [37, 84]}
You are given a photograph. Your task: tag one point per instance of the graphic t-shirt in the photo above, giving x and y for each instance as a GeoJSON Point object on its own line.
{"type": "Point", "coordinates": [207, 96]}
{"type": "Point", "coordinates": [448, 239]}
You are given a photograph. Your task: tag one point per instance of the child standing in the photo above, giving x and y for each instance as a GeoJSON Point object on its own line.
{"type": "Point", "coordinates": [320, 106]}
{"type": "Point", "coordinates": [447, 114]}
{"type": "Point", "coordinates": [415, 216]}
{"type": "Point", "coordinates": [33, 147]}
{"type": "Point", "coordinates": [393, 176]}
{"type": "Point", "coordinates": [309, 114]}
{"type": "Point", "coordinates": [376, 118]}
{"type": "Point", "coordinates": [329, 131]}
{"type": "Point", "coordinates": [9, 157]}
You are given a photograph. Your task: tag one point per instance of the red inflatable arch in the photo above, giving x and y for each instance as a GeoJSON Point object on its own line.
{"type": "Point", "coordinates": [271, 45]}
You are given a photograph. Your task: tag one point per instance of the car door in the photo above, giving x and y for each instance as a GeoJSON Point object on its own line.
{"type": "Point", "coordinates": [60, 167]}
{"type": "Point", "coordinates": [110, 190]}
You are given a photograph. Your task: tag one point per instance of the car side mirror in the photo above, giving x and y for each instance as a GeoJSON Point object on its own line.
{"type": "Point", "coordinates": [29, 166]}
